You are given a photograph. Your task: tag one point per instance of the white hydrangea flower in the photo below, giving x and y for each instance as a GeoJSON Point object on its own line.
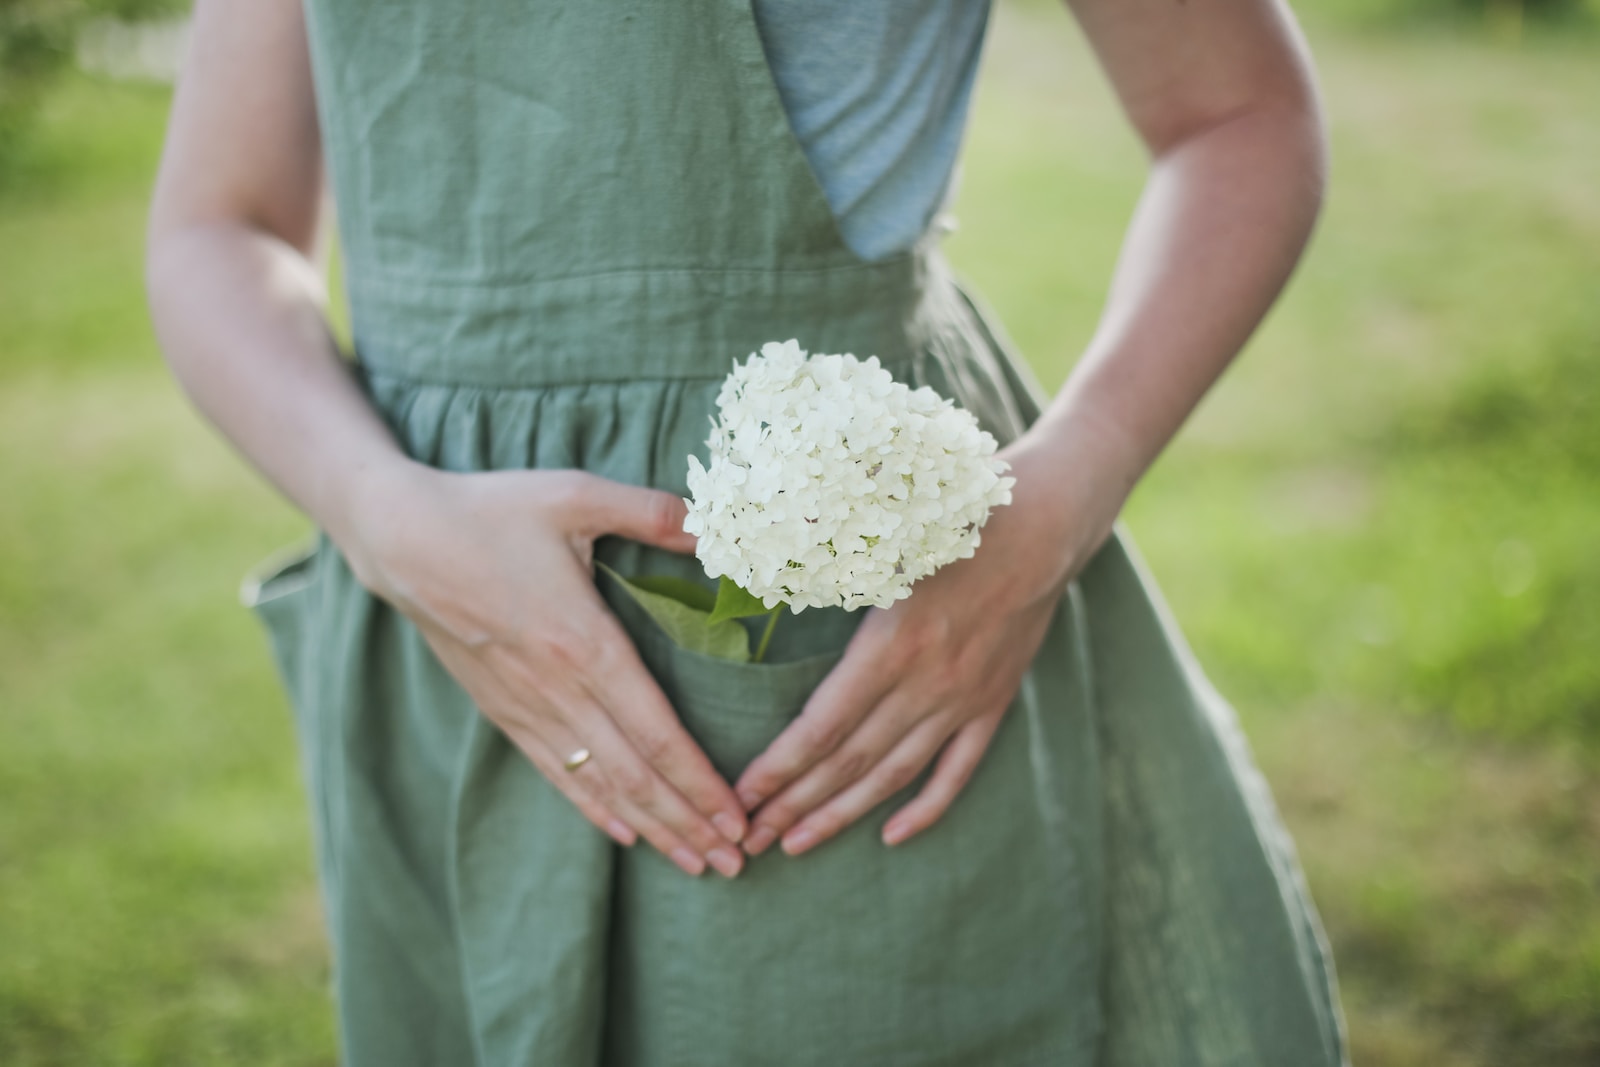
{"type": "Point", "coordinates": [833, 484]}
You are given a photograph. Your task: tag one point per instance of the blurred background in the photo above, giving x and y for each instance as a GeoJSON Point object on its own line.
{"type": "Point", "coordinates": [1380, 532]}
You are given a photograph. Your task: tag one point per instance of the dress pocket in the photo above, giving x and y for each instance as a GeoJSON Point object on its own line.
{"type": "Point", "coordinates": [733, 710]}
{"type": "Point", "coordinates": [285, 591]}
{"type": "Point", "coordinates": [279, 591]}
{"type": "Point", "coordinates": [971, 943]}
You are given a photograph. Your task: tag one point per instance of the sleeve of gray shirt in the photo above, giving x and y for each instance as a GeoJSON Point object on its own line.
{"type": "Point", "coordinates": [877, 93]}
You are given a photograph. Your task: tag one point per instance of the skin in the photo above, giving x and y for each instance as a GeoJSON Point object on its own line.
{"type": "Point", "coordinates": [1222, 95]}
{"type": "Point", "coordinates": [480, 561]}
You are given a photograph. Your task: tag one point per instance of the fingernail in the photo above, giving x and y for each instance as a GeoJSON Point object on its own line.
{"type": "Point", "coordinates": [748, 797]}
{"type": "Point", "coordinates": [623, 832]}
{"type": "Point", "coordinates": [690, 862]}
{"type": "Point", "coordinates": [725, 860]}
{"type": "Point", "coordinates": [799, 840]}
{"type": "Point", "coordinates": [731, 828]}
{"type": "Point", "coordinates": [895, 832]}
{"type": "Point", "coordinates": [759, 839]}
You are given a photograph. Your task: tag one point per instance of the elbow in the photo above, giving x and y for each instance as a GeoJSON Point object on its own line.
{"type": "Point", "coordinates": [161, 273]}
{"type": "Point", "coordinates": [169, 271]}
{"type": "Point", "coordinates": [1288, 144]}
{"type": "Point", "coordinates": [1298, 130]}
{"type": "Point", "coordinates": [1312, 152]}
{"type": "Point", "coordinates": [1296, 140]}
{"type": "Point", "coordinates": [193, 236]}
{"type": "Point", "coordinates": [169, 225]}
{"type": "Point", "coordinates": [1269, 157]}
{"type": "Point", "coordinates": [158, 268]}
{"type": "Point", "coordinates": [186, 255]}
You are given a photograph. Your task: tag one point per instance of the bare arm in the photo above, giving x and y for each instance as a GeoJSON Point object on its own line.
{"type": "Point", "coordinates": [1221, 92]}
{"type": "Point", "coordinates": [475, 560]}
{"type": "Point", "coordinates": [238, 303]}
{"type": "Point", "coordinates": [1222, 95]}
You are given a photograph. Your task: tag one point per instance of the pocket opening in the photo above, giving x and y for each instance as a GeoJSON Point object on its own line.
{"type": "Point", "coordinates": [286, 571]}
{"type": "Point", "coordinates": [732, 710]}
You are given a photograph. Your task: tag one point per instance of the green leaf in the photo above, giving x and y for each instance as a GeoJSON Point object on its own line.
{"type": "Point", "coordinates": [734, 603]}
{"type": "Point", "coordinates": [682, 590]}
{"type": "Point", "coordinates": [691, 627]}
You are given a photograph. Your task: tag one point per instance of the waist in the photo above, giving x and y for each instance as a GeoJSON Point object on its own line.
{"type": "Point", "coordinates": [642, 324]}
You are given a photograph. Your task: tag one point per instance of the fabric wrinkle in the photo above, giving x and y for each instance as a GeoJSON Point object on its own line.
{"type": "Point", "coordinates": [1109, 888]}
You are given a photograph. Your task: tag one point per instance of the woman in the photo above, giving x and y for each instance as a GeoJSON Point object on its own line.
{"type": "Point", "coordinates": [1015, 825]}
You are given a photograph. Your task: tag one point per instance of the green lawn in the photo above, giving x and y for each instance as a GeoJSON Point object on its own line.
{"type": "Point", "coordinates": [1378, 532]}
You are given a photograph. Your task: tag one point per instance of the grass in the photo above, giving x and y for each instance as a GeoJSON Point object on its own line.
{"type": "Point", "coordinates": [1378, 532]}
{"type": "Point", "coordinates": [156, 904]}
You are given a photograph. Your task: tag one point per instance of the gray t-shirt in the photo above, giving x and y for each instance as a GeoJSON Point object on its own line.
{"type": "Point", "coordinates": [877, 94]}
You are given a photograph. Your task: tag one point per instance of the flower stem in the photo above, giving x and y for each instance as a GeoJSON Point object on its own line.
{"type": "Point", "coordinates": [766, 637]}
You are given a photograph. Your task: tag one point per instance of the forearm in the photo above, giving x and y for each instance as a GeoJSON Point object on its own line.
{"type": "Point", "coordinates": [240, 315]}
{"type": "Point", "coordinates": [1223, 219]}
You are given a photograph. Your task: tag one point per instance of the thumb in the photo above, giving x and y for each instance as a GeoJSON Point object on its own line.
{"type": "Point", "coordinates": [653, 516]}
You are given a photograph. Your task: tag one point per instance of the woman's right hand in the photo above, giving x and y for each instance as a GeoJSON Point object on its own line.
{"type": "Point", "coordinates": [493, 567]}
{"type": "Point", "coordinates": [495, 570]}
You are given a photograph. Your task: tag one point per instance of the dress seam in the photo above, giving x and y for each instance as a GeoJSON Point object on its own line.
{"type": "Point", "coordinates": [370, 280]}
{"type": "Point", "coordinates": [408, 378]}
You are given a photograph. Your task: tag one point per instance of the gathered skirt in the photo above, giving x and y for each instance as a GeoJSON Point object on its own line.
{"type": "Point", "coordinates": [1113, 886]}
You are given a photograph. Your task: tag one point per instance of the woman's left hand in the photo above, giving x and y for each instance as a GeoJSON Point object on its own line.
{"type": "Point", "coordinates": [936, 670]}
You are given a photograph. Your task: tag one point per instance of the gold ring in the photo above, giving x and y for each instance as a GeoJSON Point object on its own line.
{"type": "Point", "coordinates": [577, 759]}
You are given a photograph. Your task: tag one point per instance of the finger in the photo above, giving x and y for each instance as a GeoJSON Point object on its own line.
{"type": "Point", "coordinates": [621, 684]}
{"type": "Point", "coordinates": [545, 753]}
{"type": "Point", "coordinates": [895, 771]}
{"type": "Point", "coordinates": [572, 786]}
{"type": "Point", "coordinates": [632, 786]}
{"type": "Point", "coordinates": [653, 516]}
{"type": "Point", "coordinates": [950, 775]}
{"type": "Point", "coordinates": [857, 683]}
{"type": "Point", "coordinates": [566, 720]}
{"type": "Point", "coordinates": [878, 733]}
{"type": "Point", "coordinates": [590, 777]}
{"type": "Point", "coordinates": [586, 783]}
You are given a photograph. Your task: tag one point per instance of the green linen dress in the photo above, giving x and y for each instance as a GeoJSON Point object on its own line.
{"type": "Point", "coordinates": [562, 223]}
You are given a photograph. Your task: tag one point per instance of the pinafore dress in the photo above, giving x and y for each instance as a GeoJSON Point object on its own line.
{"type": "Point", "coordinates": [562, 222]}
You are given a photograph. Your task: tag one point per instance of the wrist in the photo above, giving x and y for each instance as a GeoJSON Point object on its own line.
{"type": "Point", "coordinates": [372, 499]}
{"type": "Point", "coordinates": [1083, 468]}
